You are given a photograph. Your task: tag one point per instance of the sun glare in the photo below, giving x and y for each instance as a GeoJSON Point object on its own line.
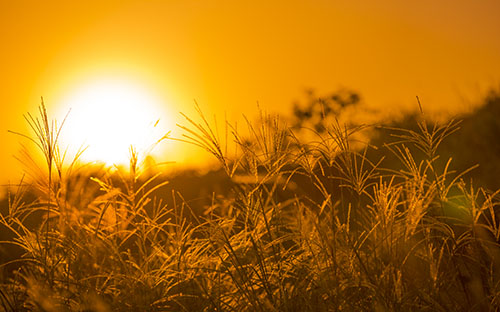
{"type": "Point", "coordinates": [108, 116]}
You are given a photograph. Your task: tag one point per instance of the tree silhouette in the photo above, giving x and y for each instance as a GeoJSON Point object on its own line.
{"type": "Point", "coordinates": [318, 111]}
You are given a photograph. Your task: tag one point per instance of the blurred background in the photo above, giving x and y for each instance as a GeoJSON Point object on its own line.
{"type": "Point", "coordinates": [228, 56]}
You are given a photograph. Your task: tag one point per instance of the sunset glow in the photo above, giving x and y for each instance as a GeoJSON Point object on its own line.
{"type": "Point", "coordinates": [108, 116]}
{"type": "Point", "coordinates": [162, 56]}
{"type": "Point", "coordinates": [250, 155]}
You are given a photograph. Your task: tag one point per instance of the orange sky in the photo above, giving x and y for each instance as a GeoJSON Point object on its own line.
{"type": "Point", "coordinates": [229, 55]}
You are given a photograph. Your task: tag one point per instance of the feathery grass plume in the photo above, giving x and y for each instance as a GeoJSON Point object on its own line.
{"type": "Point", "coordinates": [307, 225]}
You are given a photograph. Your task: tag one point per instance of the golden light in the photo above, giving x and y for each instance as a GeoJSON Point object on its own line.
{"type": "Point", "coordinates": [107, 116]}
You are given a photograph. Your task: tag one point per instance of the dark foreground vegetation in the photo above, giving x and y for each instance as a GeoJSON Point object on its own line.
{"type": "Point", "coordinates": [286, 224]}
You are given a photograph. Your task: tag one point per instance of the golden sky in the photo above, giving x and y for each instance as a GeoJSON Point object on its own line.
{"type": "Point", "coordinates": [229, 55]}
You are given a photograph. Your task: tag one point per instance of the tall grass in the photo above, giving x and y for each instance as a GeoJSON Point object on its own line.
{"type": "Point", "coordinates": [316, 225]}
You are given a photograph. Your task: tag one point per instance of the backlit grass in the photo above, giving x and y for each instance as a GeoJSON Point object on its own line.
{"type": "Point", "coordinates": [320, 224]}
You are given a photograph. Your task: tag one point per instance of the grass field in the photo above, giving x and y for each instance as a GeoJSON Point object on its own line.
{"type": "Point", "coordinates": [316, 224]}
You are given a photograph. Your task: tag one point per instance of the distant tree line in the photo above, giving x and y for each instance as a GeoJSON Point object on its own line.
{"type": "Point", "coordinates": [476, 141]}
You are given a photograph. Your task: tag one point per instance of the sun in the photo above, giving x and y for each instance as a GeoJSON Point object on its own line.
{"type": "Point", "coordinates": [109, 115]}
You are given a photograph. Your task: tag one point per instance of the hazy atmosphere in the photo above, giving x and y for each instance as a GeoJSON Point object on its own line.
{"type": "Point", "coordinates": [294, 156]}
{"type": "Point", "coordinates": [229, 56]}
